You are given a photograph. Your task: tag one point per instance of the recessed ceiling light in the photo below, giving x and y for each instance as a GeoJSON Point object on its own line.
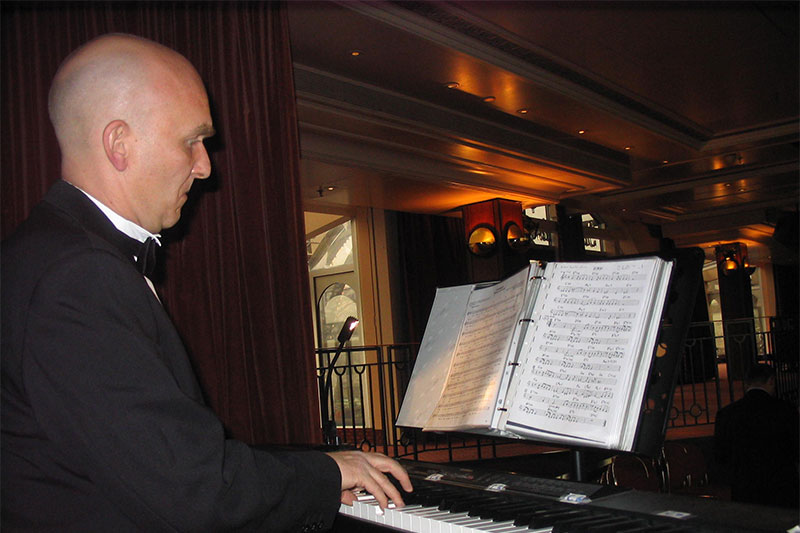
{"type": "Point", "coordinates": [355, 53]}
{"type": "Point", "coordinates": [452, 85]}
{"type": "Point", "coordinates": [523, 111]}
{"type": "Point", "coordinates": [489, 99]}
{"type": "Point", "coordinates": [628, 147]}
{"type": "Point", "coordinates": [330, 187]}
{"type": "Point", "coordinates": [664, 162]}
{"type": "Point", "coordinates": [581, 132]}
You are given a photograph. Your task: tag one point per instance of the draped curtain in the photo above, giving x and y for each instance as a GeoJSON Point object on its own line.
{"type": "Point", "coordinates": [235, 277]}
{"type": "Point", "coordinates": [433, 253]}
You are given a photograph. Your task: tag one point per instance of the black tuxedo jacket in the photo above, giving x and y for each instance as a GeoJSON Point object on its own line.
{"type": "Point", "coordinates": [756, 441]}
{"type": "Point", "coordinates": [103, 423]}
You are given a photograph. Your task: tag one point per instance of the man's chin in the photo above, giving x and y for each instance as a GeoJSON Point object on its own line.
{"type": "Point", "coordinates": [168, 223]}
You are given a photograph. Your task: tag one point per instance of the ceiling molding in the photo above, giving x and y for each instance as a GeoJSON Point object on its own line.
{"type": "Point", "coordinates": [333, 147]}
{"type": "Point", "coordinates": [788, 129]}
{"type": "Point", "coordinates": [692, 182]}
{"type": "Point", "coordinates": [448, 26]}
{"type": "Point", "coordinates": [319, 91]}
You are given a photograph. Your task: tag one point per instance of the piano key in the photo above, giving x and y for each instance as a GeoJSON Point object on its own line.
{"type": "Point", "coordinates": [548, 517]}
{"type": "Point", "coordinates": [567, 524]}
{"type": "Point", "coordinates": [521, 502]}
{"type": "Point", "coordinates": [615, 525]}
{"type": "Point", "coordinates": [595, 522]}
{"type": "Point", "coordinates": [517, 513]}
{"type": "Point", "coordinates": [495, 526]}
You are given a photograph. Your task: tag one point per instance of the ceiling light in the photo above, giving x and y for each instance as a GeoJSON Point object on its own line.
{"type": "Point", "coordinates": [489, 99]}
{"type": "Point", "coordinates": [664, 162]}
{"type": "Point", "coordinates": [331, 187]}
{"type": "Point", "coordinates": [355, 53]}
{"type": "Point", "coordinates": [628, 147]}
{"type": "Point", "coordinates": [581, 132]}
{"type": "Point", "coordinates": [452, 85]}
{"type": "Point", "coordinates": [523, 111]}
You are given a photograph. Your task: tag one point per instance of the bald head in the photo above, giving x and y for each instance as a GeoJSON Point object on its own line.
{"type": "Point", "coordinates": [110, 77]}
{"type": "Point", "coordinates": [128, 113]}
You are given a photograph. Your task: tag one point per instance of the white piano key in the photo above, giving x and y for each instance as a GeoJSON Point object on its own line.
{"type": "Point", "coordinates": [502, 527]}
{"type": "Point", "coordinates": [418, 516]}
{"type": "Point", "coordinates": [437, 522]}
{"type": "Point", "coordinates": [467, 524]}
{"type": "Point", "coordinates": [494, 526]}
{"type": "Point", "coordinates": [401, 515]}
{"type": "Point", "coordinates": [446, 523]}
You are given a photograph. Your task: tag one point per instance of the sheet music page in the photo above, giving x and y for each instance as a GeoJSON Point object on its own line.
{"type": "Point", "coordinates": [578, 361]}
{"type": "Point", "coordinates": [480, 356]}
{"type": "Point", "coordinates": [435, 354]}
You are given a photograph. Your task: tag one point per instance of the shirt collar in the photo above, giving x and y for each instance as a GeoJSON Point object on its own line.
{"type": "Point", "coordinates": [131, 229]}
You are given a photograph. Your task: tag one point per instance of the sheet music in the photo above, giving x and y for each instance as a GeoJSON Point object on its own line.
{"type": "Point", "coordinates": [434, 357]}
{"type": "Point", "coordinates": [579, 361]}
{"type": "Point", "coordinates": [478, 362]}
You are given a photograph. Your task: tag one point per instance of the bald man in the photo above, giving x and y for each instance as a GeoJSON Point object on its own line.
{"type": "Point", "coordinates": [103, 422]}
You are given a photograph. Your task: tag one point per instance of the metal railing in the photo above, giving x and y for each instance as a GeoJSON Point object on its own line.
{"type": "Point", "coordinates": [369, 382]}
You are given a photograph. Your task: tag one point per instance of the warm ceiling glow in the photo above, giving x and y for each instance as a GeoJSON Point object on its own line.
{"type": "Point", "coordinates": [523, 111]}
{"type": "Point", "coordinates": [355, 53]}
{"type": "Point", "coordinates": [581, 132]}
{"type": "Point", "coordinates": [452, 85]}
{"type": "Point", "coordinates": [628, 147]}
{"type": "Point", "coordinates": [489, 99]}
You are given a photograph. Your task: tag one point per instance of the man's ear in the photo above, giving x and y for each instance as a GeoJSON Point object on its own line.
{"type": "Point", "coordinates": [114, 137]}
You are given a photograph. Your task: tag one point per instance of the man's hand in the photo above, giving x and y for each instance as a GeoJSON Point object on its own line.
{"type": "Point", "coordinates": [366, 471]}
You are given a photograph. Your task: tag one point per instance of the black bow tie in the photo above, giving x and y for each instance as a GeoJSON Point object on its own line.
{"type": "Point", "coordinates": [146, 256]}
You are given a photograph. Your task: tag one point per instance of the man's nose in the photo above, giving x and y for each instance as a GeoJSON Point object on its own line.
{"type": "Point", "coordinates": [202, 163]}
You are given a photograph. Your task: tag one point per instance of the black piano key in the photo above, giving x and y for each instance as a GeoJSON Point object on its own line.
{"type": "Point", "coordinates": [525, 516]}
{"type": "Point", "coordinates": [521, 517]}
{"type": "Point", "coordinates": [626, 525]}
{"type": "Point", "coordinates": [508, 511]}
{"type": "Point", "coordinates": [554, 518]}
{"type": "Point", "coordinates": [487, 505]}
{"type": "Point", "coordinates": [568, 524]}
{"type": "Point", "coordinates": [458, 498]}
{"type": "Point", "coordinates": [427, 497]}
{"type": "Point", "coordinates": [658, 528]}
{"type": "Point", "coordinates": [612, 522]}
{"type": "Point", "coordinates": [466, 503]}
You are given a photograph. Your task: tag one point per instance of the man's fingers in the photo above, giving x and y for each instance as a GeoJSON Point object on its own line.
{"type": "Point", "coordinates": [389, 489]}
{"type": "Point", "coordinates": [368, 471]}
{"type": "Point", "coordinates": [374, 487]}
{"type": "Point", "coordinates": [348, 497]}
{"type": "Point", "coordinates": [387, 465]}
{"type": "Point", "coordinates": [401, 475]}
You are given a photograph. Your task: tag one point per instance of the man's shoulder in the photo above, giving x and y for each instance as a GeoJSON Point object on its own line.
{"type": "Point", "coordinates": [57, 226]}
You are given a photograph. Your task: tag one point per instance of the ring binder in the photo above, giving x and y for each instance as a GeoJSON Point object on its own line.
{"type": "Point", "coordinates": [581, 374]}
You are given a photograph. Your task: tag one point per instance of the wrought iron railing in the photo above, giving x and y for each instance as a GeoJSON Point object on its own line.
{"type": "Point", "coordinates": [369, 382]}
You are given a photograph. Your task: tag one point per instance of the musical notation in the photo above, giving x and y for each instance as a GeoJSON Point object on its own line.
{"type": "Point", "coordinates": [580, 352]}
{"type": "Point", "coordinates": [469, 394]}
{"type": "Point", "coordinates": [597, 366]}
{"type": "Point", "coordinates": [597, 302]}
{"type": "Point", "coordinates": [552, 414]}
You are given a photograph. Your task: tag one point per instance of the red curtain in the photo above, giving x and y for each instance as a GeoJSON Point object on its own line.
{"type": "Point", "coordinates": [235, 279]}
